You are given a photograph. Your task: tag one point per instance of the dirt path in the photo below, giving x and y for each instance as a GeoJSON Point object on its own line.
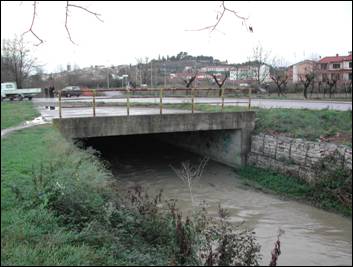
{"type": "Point", "coordinates": [27, 124]}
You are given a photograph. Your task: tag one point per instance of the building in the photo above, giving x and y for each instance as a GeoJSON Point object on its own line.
{"type": "Point", "coordinates": [336, 68]}
{"type": "Point", "coordinates": [249, 73]}
{"type": "Point", "coordinates": [301, 68]}
{"type": "Point", "coordinates": [216, 69]}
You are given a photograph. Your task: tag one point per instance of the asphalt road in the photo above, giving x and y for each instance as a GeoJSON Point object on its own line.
{"type": "Point", "coordinates": [49, 114]}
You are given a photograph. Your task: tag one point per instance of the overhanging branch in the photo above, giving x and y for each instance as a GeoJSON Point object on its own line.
{"type": "Point", "coordinates": [31, 28]}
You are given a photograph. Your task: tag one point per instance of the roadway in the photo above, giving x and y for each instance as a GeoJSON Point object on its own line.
{"type": "Point", "coordinates": [49, 114]}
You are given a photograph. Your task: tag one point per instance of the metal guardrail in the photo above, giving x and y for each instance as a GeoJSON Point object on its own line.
{"type": "Point", "coordinates": [161, 97]}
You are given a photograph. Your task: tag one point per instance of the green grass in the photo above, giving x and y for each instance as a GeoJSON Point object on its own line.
{"type": "Point", "coordinates": [297, 96]}
{"type": "Point", "coordinates": [293, 188]}
{"type": "Point", "coordinates": [14, 113]}
{"type": "Point", "coordinates": [31, 234]}
{"type": "Point", "coordinates": [308, 124]}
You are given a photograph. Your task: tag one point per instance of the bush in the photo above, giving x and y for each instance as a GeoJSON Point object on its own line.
{"type": "Point", "coordinates": [335, 182]}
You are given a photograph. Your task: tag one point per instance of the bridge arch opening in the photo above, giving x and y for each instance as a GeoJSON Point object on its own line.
{"type": "Point", "coordinates": [224, 146]}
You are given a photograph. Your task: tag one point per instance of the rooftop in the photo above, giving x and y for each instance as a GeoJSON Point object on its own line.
{"type": "Point", "coordinates": [336, 58]}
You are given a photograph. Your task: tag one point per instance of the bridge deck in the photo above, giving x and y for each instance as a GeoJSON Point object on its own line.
{"type": "Point", "coordinates": [82, 127]}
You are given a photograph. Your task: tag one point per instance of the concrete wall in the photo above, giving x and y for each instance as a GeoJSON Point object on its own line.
{"type": "Point", "coordinates": [223, 146]}
{"type": "Point", "coordinates": [83, 127]}
{"type": "Point", "coordinates": [297, 157]}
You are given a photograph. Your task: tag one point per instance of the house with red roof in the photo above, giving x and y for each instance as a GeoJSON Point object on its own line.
{"type": "Point", "coordinates": [336, 68]}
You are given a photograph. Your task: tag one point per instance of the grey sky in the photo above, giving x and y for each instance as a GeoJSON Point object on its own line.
{"type": "Point", "coordinates": [291, 30]}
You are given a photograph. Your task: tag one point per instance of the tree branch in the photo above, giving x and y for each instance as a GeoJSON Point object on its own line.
{"type": "Point", "coordinates": [219, 18]}
{"type": "Point", "coordinates": [79, 7]}
{"type": "Point", "coordinates": [66, 16]}
{"type": "Point", "coordinates": [68, 5]}
{"type": "Point", "coordinates": [85, 9]}
{"type": "Point", "coordinates": [31, 28]}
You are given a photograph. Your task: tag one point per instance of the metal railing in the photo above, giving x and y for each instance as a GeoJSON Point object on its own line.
{"type": "Point", "coordinates": [162, 96]}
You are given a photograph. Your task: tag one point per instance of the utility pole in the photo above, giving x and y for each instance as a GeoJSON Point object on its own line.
{"type": "Point", "coordinates": [165, 76]}
{"type": "Point", "coordinates": [140, 78]}
{"type": "Point", "coordinates": [108, 78]}
{"type": "Point", "coordinates": [136, 75]}
{"type": "Point", "coordinates": [151, 75]}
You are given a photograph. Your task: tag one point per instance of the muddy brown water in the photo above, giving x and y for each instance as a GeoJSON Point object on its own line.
{"type": "Point", "coordinates": [312, 236]}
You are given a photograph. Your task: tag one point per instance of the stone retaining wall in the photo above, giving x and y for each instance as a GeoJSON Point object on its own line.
{"type": "Point", "coordinates": [297, 157]}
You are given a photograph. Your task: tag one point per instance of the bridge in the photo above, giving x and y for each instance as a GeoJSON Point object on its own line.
{"type": "Point", "coordinates": [222, 136]}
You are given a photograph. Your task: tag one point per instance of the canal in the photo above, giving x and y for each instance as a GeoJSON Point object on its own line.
{"type": "Point", "coordinates": [312, 236]}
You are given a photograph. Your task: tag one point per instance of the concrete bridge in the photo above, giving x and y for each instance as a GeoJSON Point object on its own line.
{"type": "Point", "coordinates": [223, 136]}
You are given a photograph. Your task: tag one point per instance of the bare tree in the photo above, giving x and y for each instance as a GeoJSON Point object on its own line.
{"type": "Point", "coordinates": [188, 172]}
{"type": "Point", "coordinates": [279, 75]}
{"type": "Point", "coordinates": [306, 79]}
{"type": "Point", "coordinates": [307, 76]}
{"type": "Point", "coordinates": [347, 86]}
{"type": "Point", "coordinates": [331, 84]}
{"type": "Point", "coordinates": [221, 83]}
{"type": "Point", "coordinates": [259, 60]}
{"type": "Point", "coordinates": [280, 78]}
{"type": "Point", "coordinates": [143, 69]}
{"type": "Point", "coordinates": [189, 80]}
{"type": "Point", "coordinates": [16, 61]}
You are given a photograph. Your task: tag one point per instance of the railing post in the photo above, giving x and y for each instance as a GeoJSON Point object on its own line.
{"type": "Point", "coordinates": [161, 101]}
{"type": "Point", "coordinates": [128, 101]}
{"type": "Point", "coordinates": [249, 107]}
{"type": "Point", "coordinates": [222, 99]}
{"type": "Point", "coordinates": [192, 101]}
{"type": "Point", "coordinates": [60, 115]}
{"type": "Point", "coordinates": [94, 102]}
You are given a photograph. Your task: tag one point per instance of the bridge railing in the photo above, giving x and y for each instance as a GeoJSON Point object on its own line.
{"type": "Point", "coordinates": [129, 94]}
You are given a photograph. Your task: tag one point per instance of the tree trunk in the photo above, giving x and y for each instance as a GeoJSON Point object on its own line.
{"type": "Point", "coordinates": [306, 92]}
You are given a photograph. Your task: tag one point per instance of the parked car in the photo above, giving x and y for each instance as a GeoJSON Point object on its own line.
{"type": "Point", "coordinates": [9, 90]}
{"type": "Point", "coordinates": [71, 91]}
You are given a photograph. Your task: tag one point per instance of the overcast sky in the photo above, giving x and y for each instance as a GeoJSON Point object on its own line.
{"type": "Point", "coordinates": [290, 30]}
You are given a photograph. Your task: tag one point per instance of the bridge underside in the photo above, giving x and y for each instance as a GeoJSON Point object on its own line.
{"type": "Point", "coordinates": [224, 137]}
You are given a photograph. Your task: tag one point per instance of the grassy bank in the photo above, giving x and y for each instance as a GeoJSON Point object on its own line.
{"type": "Point", "coordinates": [312, 125]}
{"type": "Point", "coordinates": [14, 113]}
{"type": "Point", "coordinates": [31, 234]}
{"type": "Point", "coordinates": [57, 209]}
{"type": "Point", "coordinates": [322, 195]}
